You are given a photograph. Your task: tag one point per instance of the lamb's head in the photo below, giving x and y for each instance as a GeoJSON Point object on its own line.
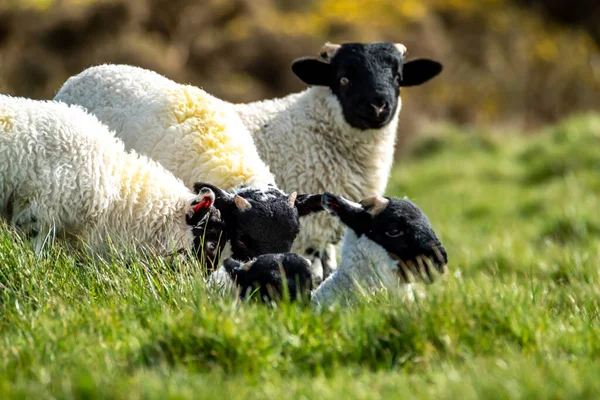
{"type": "Point", "coordinates": [366, 78]}
{"type": "Point", "coordinates": [267, 272]}
{"type": "Point", "coordinates": [400, 228]}
{"type": "Point", "coordinates": [261, 221]}
{"type": "Point", "coordinates": [208, 228]}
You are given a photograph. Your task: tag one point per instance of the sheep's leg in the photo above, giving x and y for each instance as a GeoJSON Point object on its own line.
{"type": "Point", "coordinates": [328, 260]}
{"type": "Point", "coordinates": [316, 269]}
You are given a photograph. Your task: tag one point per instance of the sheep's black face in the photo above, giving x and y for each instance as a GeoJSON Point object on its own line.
{"type": "Point", "coordinates": [268, 273]}
{"type": "Point", "coordinates": [397, 225]}
{"type": "Point", "coordinates": [270, 225]}
{"type": "Point", "coordinates": [262, 221]}
{"type": "Point", "coordinates": [210, 236]}
{"type": "Point", "coordinates": [208, 228]}
{"type": "Point", "coordinates": [366, 78]}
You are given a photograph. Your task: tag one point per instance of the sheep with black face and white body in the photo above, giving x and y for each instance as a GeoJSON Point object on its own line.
{"type": "Point", "coordinates": [64, 172]}
{"type": "Point", "coordinates": [338, 135]}
{"type": "Point", "coordinates": [198, 138]}
{"type": "Point", "coordinates": [388, 243]}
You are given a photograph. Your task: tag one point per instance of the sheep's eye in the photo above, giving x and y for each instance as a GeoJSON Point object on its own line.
{"type": "Point", "coordinates": [344, 81]}
{"type": "Point", "coordinates": [395, 233]}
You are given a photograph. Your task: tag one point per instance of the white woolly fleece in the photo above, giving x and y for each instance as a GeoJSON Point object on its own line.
{"type": "Point", "coordinates": [306, 141]}
{"type": "Point", "coordinates": [62, 170]}
{"type": "Point", "coordinates": [191, 133]}
{"type": "Point", "coordinates": [365, 267]}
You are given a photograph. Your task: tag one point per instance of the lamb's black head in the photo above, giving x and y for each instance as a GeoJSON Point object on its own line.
{"type": "Point", "coordinates": [208, 228]}
{"type": "Point", "coordinates": [268, 272]}
{"type": "Point", "coordinates": [366, 78]}
{"type": "Point", "coordinates": [261, 221]}
{"type": "Point", "coordinates": [397, 225]}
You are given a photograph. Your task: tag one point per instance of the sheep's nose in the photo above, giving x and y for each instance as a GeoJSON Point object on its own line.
{"type": "Point", "coordinates": [379, 107]}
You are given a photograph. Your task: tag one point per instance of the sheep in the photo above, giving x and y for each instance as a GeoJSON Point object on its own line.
{"type": "Point", "coordinates": [387, 241]}
{"type": "Point", "coordinates": [197, 137]}
{"type": "Point", "coordinates": [63, 171]}
{"type": "Point", "coordinates": [337, 135]}
{"type": "Point", "coordinates": [267, 273]}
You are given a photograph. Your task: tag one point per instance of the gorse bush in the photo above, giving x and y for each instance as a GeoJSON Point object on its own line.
{"type": "Point", "coordinates": [504, 64]}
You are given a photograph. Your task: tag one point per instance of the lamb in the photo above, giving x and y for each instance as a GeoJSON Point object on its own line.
{"type": "Point", "coordinates": [267, 274]}
{"type": "Point", "coordinates": [197, 137]}
{"type": "Point", "coordinates": [387, 241]}
{"type": "Point", "coordinates": [63, 171]}
{"type": "Point", "coordinates": [345, 124]}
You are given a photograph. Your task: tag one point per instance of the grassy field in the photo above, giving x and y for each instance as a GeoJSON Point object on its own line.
{"type": "Point", "coordinates": [517, 317]}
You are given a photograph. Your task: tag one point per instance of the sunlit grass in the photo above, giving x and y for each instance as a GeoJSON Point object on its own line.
{"type": "Point", "coordinates": [517, 316]}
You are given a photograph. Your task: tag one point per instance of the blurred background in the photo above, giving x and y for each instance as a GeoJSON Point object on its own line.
{"type": "Point", "coordinates": [515, 64]}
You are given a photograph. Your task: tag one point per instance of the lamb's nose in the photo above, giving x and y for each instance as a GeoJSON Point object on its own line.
{"type": "Point", "coordinates": [379, 108]}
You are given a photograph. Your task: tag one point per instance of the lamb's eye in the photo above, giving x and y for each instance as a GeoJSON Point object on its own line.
{"type": "Point", "coordinates": [344, 81]}
{"type": "Point", "coordinates": [395, 233]}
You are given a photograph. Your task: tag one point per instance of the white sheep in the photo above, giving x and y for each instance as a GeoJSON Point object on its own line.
{"type": "Point", "coordinates": [198, 138]}
{"type": "Point", "coordinates": [339, 135]}
{"type": "Point", "coordinates": [388, 242]}
{"type": "Point", "coordinates": [63, 171]}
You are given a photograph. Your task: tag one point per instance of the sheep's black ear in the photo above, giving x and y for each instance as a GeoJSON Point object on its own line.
{"type": "Point", "coordinates": [419, 71]}
{"type": "Point", "coordinates": [312, 71]}
{"type": "Point", "coordinates": [201, 206]}
{"type": "Point", "coordinates": [223, 199]}
{"type": "Point", "coordinates": [308, 204]}
{"type": "Point", "coordinates": [217, 190]}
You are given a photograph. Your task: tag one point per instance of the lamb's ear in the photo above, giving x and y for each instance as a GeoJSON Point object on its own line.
{"type": "Point", "coordinates": [350, 213]}
{"type": "Point", "coordinates": [312, 71]}
{"type": "Point", "coordinates": [217, 190]}
{"type": "Point", "coordinates": [419, 71]}
{"type": "Point", "coordinates": [308, 204]}
{"type": "Point", "coordinates": [200, 206]}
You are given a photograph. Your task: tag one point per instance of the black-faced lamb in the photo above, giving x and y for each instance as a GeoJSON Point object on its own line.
{"type": "Point", "coordinates": [388, 243]}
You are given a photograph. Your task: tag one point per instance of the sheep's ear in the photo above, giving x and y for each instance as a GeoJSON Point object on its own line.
{"type": "Point", "coordinates": [419, 71]}
{"type": "Point", "coordinates": [200, 206]}
{"type": "Point", "coordinates": [219, 193]}
{"type": "Point", "coordinates": [350, 213]}
{"type": "Point", "coordinates": [292, 199]}
{"type": "Point", "coordinates": [241, 203]}
{"type": "Point", "coordinates": [231, 266]}
{"type": "Point", "coordinates": [308, 204]}
{"type": "Point", "coordinates": [312, 71]}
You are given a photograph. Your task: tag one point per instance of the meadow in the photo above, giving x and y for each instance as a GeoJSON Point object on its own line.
{"type": "Point", "coordinates": [516, 316]}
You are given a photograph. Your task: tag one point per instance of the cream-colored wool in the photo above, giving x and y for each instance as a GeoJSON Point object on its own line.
{"type": "Point", "coordinates": [63, 171]}
{"type": "Point", "coordinates": [191, 133]}
{"type": "Point", "coordinates": [306, 141]}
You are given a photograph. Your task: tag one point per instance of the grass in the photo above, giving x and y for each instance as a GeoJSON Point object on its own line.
{"type": "Point", "coordinates": [517, 317]}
